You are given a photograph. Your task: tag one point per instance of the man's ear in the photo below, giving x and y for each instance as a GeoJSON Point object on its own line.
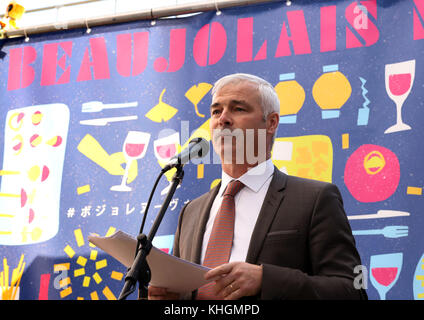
{"type": "Point", "coordinates": [272, 122]}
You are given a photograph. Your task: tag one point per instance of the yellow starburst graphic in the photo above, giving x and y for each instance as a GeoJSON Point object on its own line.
{"type": "Point", "coordinates": [80, 264]}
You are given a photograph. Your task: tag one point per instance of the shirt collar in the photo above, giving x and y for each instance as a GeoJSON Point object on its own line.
{"type": "Point", "coordinates": [254, 179]}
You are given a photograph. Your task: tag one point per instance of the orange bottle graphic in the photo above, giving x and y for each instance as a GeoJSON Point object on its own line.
{"type": "Point", "coordinates": [292, 97]}
{"type": "Point", "coordinates": [331, 91]}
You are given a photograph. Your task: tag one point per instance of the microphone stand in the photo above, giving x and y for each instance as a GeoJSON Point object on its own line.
{"type": "Point", "coordinates": [140, 271]}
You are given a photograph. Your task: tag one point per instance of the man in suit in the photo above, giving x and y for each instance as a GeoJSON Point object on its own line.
{"type": "Point", "coordinates": [290, 237]}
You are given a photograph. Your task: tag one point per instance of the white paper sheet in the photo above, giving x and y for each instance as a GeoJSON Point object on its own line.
{"type": "Point", "coordinates": [175, 274]}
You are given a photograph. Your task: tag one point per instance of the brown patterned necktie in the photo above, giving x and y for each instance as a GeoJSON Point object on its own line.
{"type": "Point", "coordinates": [221, 238]}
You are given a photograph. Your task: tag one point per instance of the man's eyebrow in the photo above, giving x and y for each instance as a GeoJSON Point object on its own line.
{"type": "Point", "coordinates": [232, 103]}
{"type": "Point", "coordinates": [213, 105]}
{"type": "Point", "coordinates": [240, 102]}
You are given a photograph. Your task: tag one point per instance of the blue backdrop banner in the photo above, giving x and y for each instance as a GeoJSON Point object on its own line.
{"type": "Point", "coordinates": [89, 119]}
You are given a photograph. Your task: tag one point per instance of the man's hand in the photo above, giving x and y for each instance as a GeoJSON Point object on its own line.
{"type": "Point", "coordinates": [156, 293]}
{"type": "Point", "coordinates": [236, 279]}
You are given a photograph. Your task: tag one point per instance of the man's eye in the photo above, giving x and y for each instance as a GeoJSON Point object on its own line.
{"type": "Point", "coordinates": [215, 111]}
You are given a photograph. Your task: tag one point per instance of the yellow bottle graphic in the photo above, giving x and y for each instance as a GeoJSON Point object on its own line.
{"type": "Point", "coordinates": [292, 97]}
{"type": "Point", "coordinates": [331, 91]}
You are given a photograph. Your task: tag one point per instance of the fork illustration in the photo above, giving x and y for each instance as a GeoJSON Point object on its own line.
{"type": "Point", "coordinates": [96, 106]}
{"type": "Point", "coordinates": [388, 232]}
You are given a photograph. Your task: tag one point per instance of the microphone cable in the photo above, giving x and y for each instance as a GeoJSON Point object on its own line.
{"type": "Point", "coordinates": [147, 209]}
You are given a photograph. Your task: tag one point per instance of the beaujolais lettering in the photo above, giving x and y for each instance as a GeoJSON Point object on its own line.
{"type": "Point", "coordinates": [418, 16]}
{"type": "Point", "coordinates": [60, 65]}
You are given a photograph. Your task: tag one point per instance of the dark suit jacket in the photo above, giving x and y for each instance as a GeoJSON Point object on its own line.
{"type": "Point", "coordinates": [302, 239]}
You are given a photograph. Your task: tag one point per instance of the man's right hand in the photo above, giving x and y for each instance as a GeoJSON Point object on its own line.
{"type": "Point", "coordinates": [157, 293]}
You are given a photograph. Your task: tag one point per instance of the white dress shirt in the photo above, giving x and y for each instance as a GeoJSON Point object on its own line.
{"type": "Point", "coordinates": [248, 203]}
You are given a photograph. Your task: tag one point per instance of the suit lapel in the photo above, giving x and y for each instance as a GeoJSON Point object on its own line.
{"type": "Point", "coordinates": [201, 225]}
{"type": "Point", "coordinates": [269, 208]}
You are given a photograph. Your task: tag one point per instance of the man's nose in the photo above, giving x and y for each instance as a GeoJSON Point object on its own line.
{"type": "Point", "coordinates": [225, 119]}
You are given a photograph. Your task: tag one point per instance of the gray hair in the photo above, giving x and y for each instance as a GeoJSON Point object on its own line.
{"type": "Point", "coordinates": [269, 99]}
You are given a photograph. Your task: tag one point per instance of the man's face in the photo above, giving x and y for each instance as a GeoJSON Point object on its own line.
{"type": "Point", "coordinates": [236, 108]}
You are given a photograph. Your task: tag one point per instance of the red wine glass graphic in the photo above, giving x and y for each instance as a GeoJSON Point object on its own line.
{"type": "Point", "coordinates": [165, 148]}
{"type": "Point", "coordinates": [135, 147]}
{"type": "Point", "coordinates": [384, 271]}
{"type": "Point", "coordinates": [399, 78]}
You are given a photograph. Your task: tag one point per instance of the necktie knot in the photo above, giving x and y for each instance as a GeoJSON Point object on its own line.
{"type": "Point", "coordinates": [233, 188]}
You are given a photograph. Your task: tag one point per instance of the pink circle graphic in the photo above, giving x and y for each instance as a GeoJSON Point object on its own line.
{"type": "Point", "coordinates": [372, 173]}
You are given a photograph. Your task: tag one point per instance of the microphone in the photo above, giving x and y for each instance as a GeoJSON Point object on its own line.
{"type": "Point", "coordinates": [197, 148]}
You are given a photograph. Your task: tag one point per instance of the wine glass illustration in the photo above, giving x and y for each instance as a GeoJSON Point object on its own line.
{"type": "Point", "coordinates": [165, 148]}
{"type": "Point", "coordinates": [384, 271]}
{"type": "Point", "coordinates": [135, 147]}
{"type": "Point", "coordinates": [399, 78]}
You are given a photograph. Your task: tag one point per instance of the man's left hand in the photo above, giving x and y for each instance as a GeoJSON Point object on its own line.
{"type": "Point", "coordinates": [236, 279]}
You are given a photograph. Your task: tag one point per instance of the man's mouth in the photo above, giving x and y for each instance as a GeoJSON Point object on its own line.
{"type": "Point", "coordinates": [226, 133]}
